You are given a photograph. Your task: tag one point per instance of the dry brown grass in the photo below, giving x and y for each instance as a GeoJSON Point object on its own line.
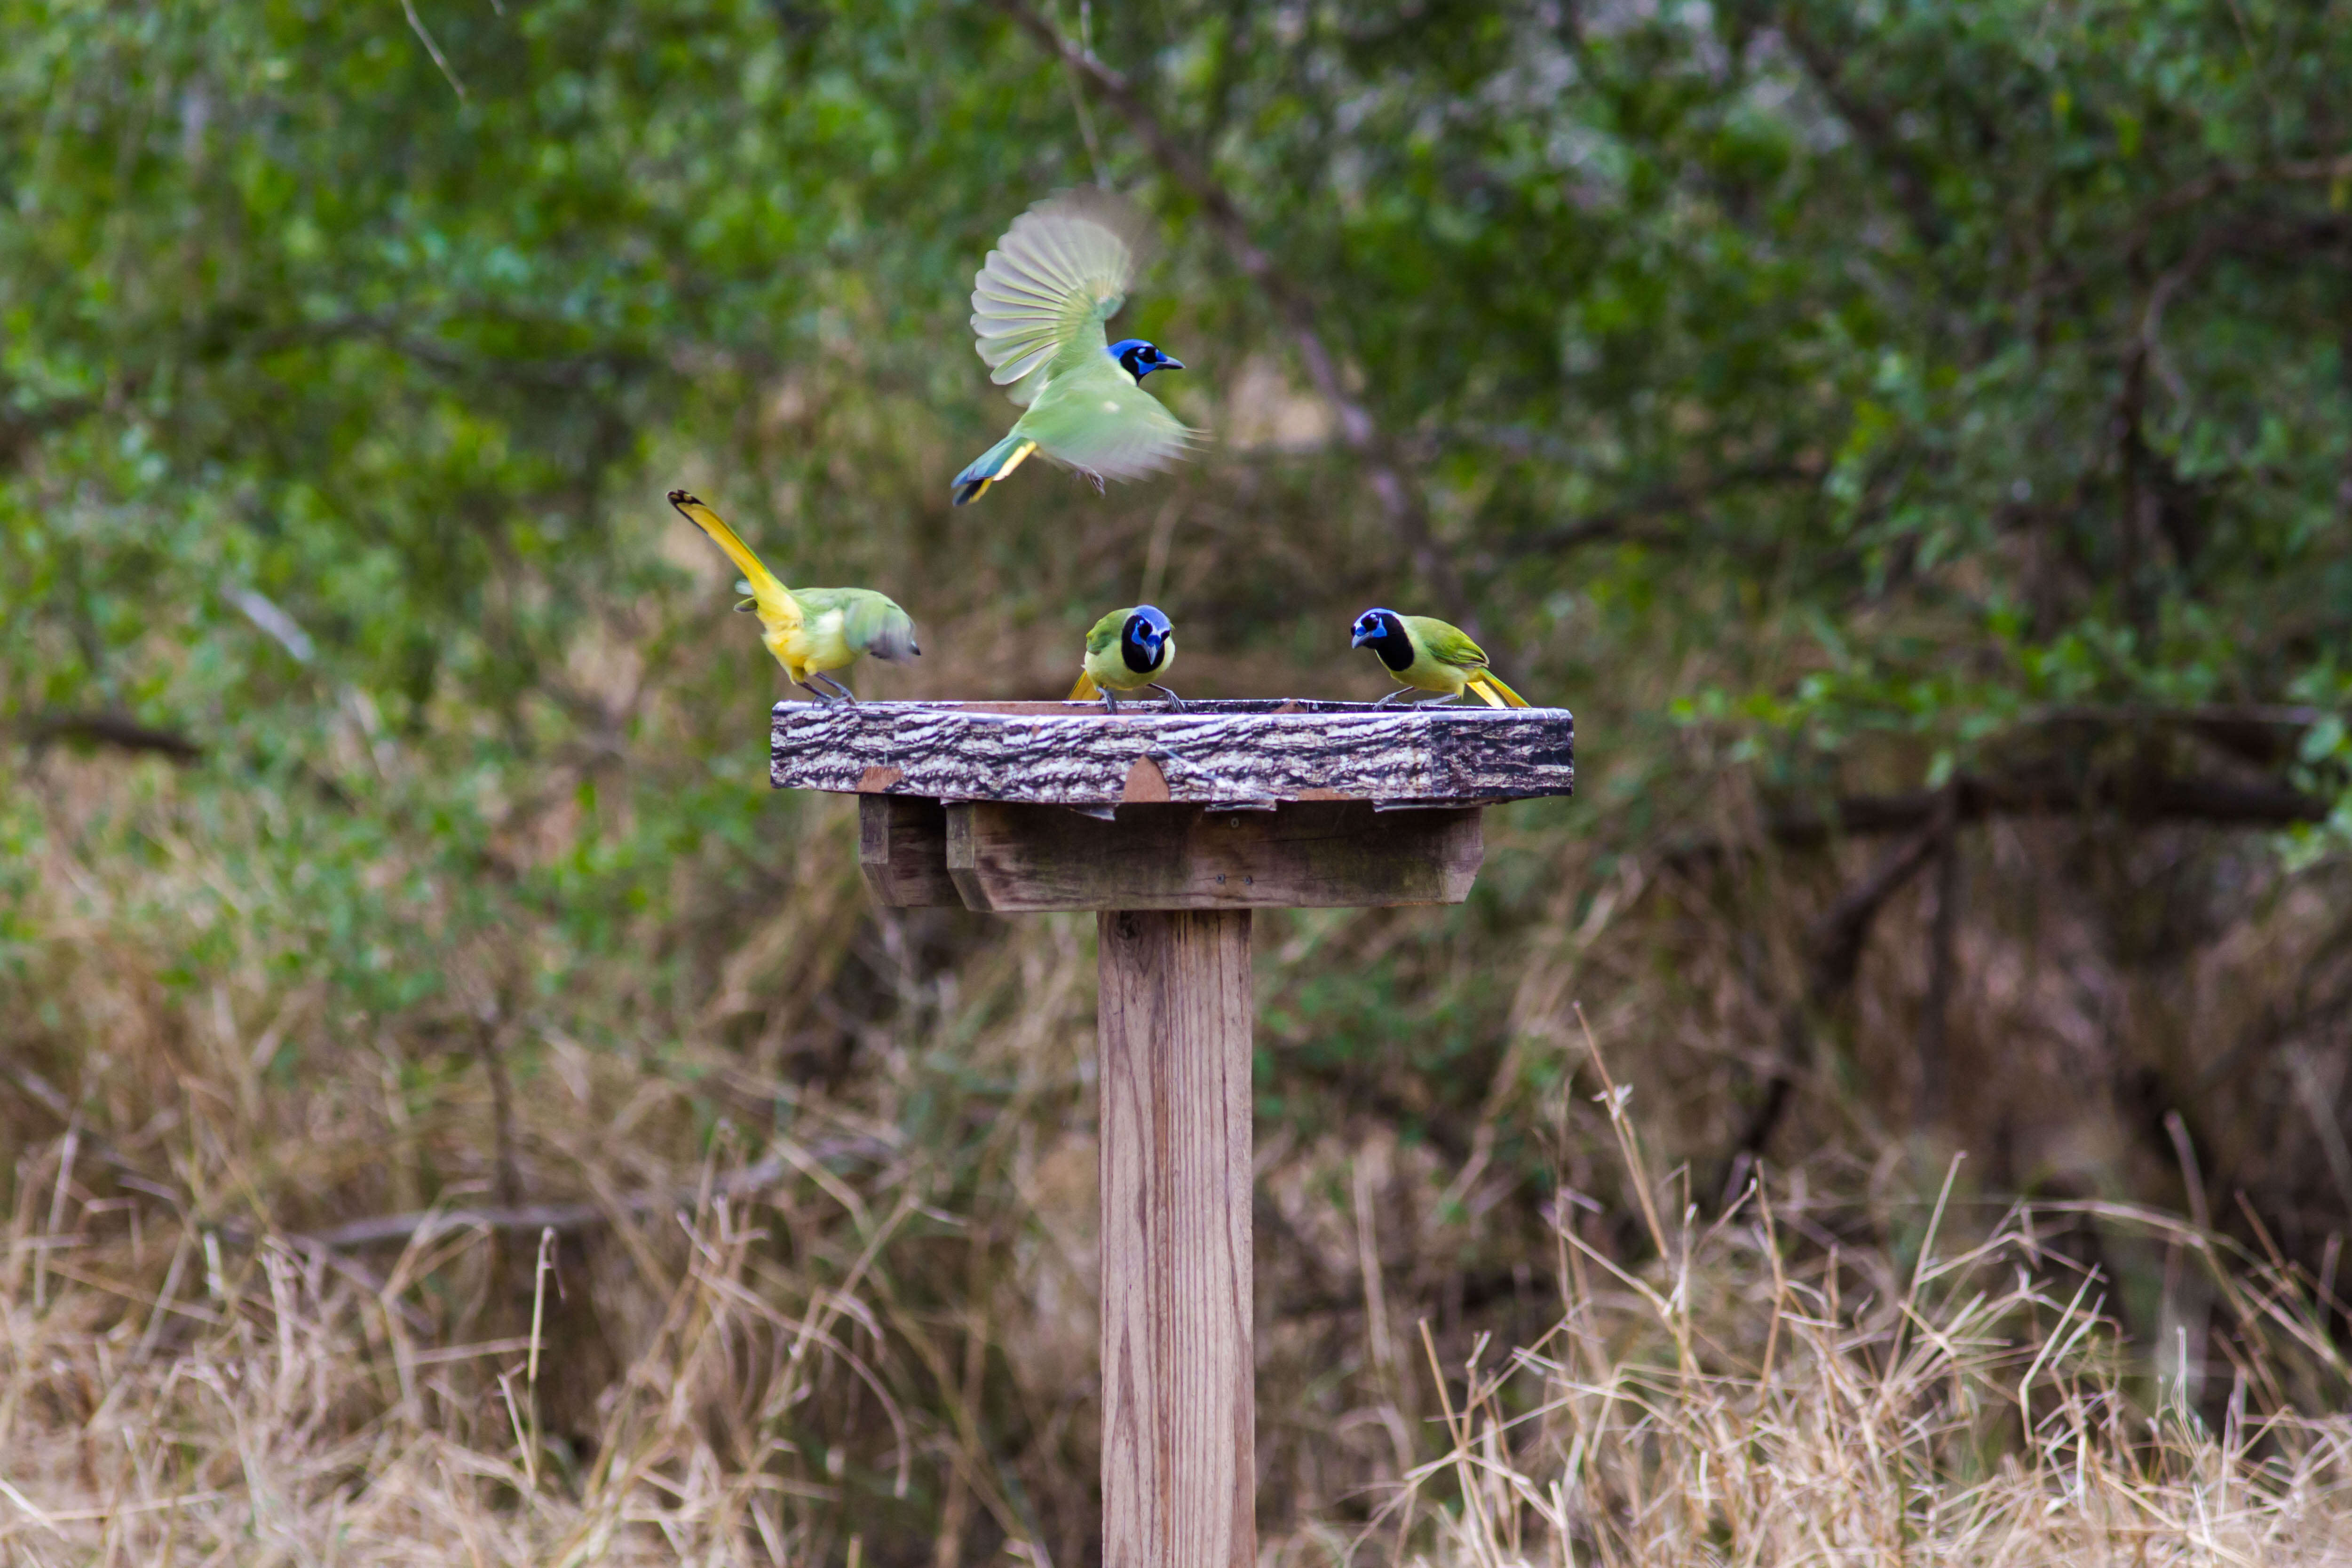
{"type": "Point", "coordinates": [1750, 1394]}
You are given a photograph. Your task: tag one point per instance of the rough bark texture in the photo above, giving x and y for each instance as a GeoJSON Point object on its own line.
{"type": "Point", "coordinates": [1230, 754]}
{"type": "Point", "coordinates": [1178, 1465]}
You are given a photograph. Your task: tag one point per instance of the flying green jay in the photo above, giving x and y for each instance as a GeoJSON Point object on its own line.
{"type": "Point", "coordinates": [810, 630]}
{"type": "Point", "coordinates": [1038, 305]}
{"type": "Point", "coordinates": [1123, 651]}
{"type": "Point", "coordinates": [1425, 654]}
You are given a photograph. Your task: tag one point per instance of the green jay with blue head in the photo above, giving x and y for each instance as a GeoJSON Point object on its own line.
{"type": "Point", "coordinates": [1039, 304]}
{"type": "Point", "coordinates": [1423, 653]}
{"type": "Point", "coordinates": [1123, 651]}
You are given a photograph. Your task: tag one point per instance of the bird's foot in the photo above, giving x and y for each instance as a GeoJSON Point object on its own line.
{"type": "Point", "coordinates": [846, 694]}
{"type": "Point", "coordinates": [1175, 703]}
{"type": "Point", "coordinates": [1111, 703]}
{"type": "Point", "coordinates": [1401, 692]}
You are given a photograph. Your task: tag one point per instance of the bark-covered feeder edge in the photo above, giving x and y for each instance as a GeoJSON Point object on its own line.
{"type": "Point", "coordinates": [1241, 754]}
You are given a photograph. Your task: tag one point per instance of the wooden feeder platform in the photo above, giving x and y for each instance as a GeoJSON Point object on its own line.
{"type": "Point", "coordinates": [1019, 807]}
{"type": "Point", "coordinates": [1173, 825]}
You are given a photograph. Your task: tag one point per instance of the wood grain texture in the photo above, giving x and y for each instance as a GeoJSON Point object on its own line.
{"type": "Point", "coordinates": [1019, 860]}
{"type": "Point", "coordinates": [902, 849]}
{"type": "Point", "coordinates": [1213, 752]}
{"type": "Point", "coordinates": [1178, 1450]}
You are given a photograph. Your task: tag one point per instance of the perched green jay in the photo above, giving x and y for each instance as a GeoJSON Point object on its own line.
{"type": "Point", "coordinates": [1123, 651]}
{"type": "Point", "coordinates": [1425, 654]}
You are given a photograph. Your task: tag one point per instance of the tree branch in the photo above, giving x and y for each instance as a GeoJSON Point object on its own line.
{"type": "Point", "coordinates": [2189, 799]}
{"type": "Point", "coordinates": [1611, 524]}
{"type": "Point", "coordinates": [20, 428]}
{"type": "Point", "coordinates": [108, 730]}
{"type": "Point", "coordinates": [380, 1230]}
{"type": "Point", "coordinates": [2219, 181]}
{"type": "Point", "coordinates": [1943, 974]}
{"type": "Point", "coordinates": [1833, 948]}
{"type": "Point", "coordinates": [1400, 500]}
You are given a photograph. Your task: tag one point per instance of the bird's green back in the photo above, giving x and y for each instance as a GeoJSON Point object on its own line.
{"type": "Point", "coordinates": [1106, 631]}
{"type": "Point", "coordinates": [1444, 642]}
{"type": "Point", "coordinates": [1093, 415]}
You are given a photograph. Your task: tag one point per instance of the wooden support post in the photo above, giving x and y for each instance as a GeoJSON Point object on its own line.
{"type": "Point", "coordinates": [1179, 1456]}
{"type": "Point", "coordinates": [1173, 825]}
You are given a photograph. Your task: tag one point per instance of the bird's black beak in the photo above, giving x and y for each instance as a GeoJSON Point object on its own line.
{"type": "Point", "coordinates": [1360, 638]}
{"type": "Point", "coordinates": [1168, 362]}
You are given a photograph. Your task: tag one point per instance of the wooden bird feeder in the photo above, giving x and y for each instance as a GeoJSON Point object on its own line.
{"type": "Point", "coordinates": [1172, 826]}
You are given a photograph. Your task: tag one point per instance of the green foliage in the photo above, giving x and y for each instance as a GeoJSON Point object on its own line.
{"type": "Point", "coordinates": [1820, 397]}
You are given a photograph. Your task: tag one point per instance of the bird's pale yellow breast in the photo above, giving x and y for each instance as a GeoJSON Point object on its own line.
{"type": "Point", "coordinates": [819, 645]}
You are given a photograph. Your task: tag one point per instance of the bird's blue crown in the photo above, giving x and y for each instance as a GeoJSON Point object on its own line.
{"type": "Point", "coordinates": [1139, 357]}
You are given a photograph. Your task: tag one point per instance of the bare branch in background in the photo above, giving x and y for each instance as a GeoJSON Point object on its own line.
{"type": "Point", "coordinates": [20, 428]}
{"type": "Point", "coordinates": [1943, 971]}
{"type": "Point", "coordinates": [416, 26]}
{"type": "Point", "coordinates": [1833, 956]}
{"type": "Point", "coordinates": [384, 1230]}
{"type": "Point", "coordinates": [1623, 522]}
{"type": "Point", "coordinates": [107, 730]}
{"type": "Point", "coordinates": [1400, 497]}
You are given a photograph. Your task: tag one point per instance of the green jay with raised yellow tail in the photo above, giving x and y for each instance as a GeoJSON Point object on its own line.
{"type": "Point", "coordinates": [1424, 654]}
{"type": "Point", "coordinates": [1039, 304]}
{"type": "Point", "coordinates": [810, 630]}
{"type": "Point", "coordinates": [1123, 651]}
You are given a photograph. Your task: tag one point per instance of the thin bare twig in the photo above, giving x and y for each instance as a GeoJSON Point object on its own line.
{"type": "Point", "coordinates": [426, 1224]}
{"type": "Point", "coordinates": [1943, 969]}
{"type": "Point", "coordinates": [106, 728]}
{"type": "Point", "coordinates": [416, 26]}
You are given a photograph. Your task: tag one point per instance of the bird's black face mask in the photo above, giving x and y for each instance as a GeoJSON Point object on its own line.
{"type": "Point", "coordinates": [1139, 357]}
{"type": "Point", "coordinates": [1143, 640]}
{"type": "Point", "coordinates": [1383, 632]}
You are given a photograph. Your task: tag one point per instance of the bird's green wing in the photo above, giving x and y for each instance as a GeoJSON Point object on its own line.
{"type": "Point", "coordinates": [1106, 631]}
{"type": "Point", "coordinates": [1059, 273]}
{"type": "Point", "coordinates": [1447, 643]}
{"type": "Point", "coordinates": [1094, 416]}
{"type": "Point", "coordinates": [870, 622]}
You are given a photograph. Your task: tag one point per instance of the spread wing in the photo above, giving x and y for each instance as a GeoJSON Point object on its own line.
{"type": "Point", "coordinates": [870, 622]}
{"type": "Point", "coordinates": [1449, 644]}
{"type": "Point", "coordinates": [1059, 273]}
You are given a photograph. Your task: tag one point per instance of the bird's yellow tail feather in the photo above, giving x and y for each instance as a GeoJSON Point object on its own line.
{"type": "Point", "coordinates": [1495, 693]}
{"type": "Point", "coordinates": [775, 600]}
{"type": "Point", "coordinates": [1085, 691]}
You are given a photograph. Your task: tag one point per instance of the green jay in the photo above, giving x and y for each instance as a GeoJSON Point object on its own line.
{"type": "Point", "coordinates": [810, 630]}
{"type": "Point", "coordinates": [1425, 654]}
{"type": "Point", "coordinates": [1123, 651]}
{"type": "Point", "coordinates": [1038, 305]}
